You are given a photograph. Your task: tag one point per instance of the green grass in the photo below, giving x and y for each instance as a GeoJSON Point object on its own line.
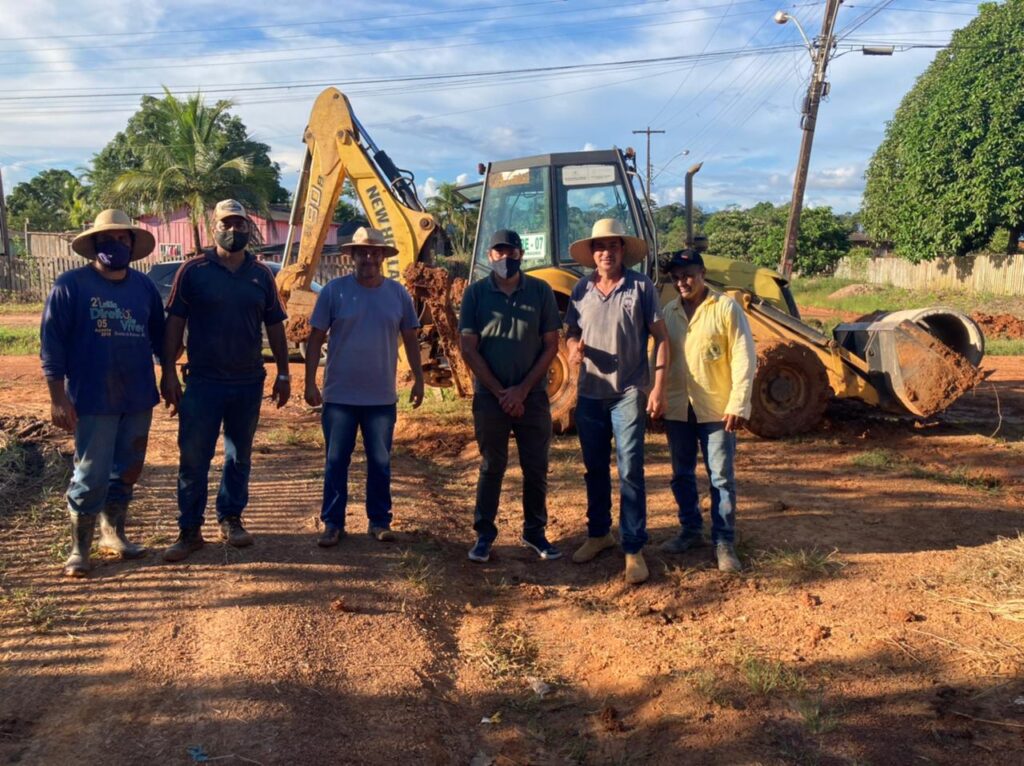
{"type": "Point", "coordinates": [884, 460]}
{"type": "Point", "coordinates": [765, 677]}
{"type": "Point", "coordinates": [815, 292]}
{"type": "Point", "coordinates": [817, 719]}
{"type": "Point", "coordinates": [1004, 347]}
{"type": "Point", "coordinates": [21, 308]}
{"type": "Point", "coordinates": [801, 565]}
{"type": "Point", "coordinates": [40, 612]}
{"type": "Point", "coordinates": [438, 404]}
{"type": "Point", "coordinates": [19, 341]}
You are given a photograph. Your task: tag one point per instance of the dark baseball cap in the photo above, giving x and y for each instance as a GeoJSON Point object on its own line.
{"type": "Point", "coordinates": [681, 258]}
{"type": "Point", "coordinates": [506, 237]}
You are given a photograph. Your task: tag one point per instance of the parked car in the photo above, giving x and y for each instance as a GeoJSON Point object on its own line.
{"type": "Point", "coordinates": [163, 275]}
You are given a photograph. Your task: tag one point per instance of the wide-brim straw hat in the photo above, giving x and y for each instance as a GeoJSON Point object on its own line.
{"type": "Point", "coordinates": [114, 220]}
{"type": "Point", "coordinates": [368, 237]}
{"type": "Point", "coordinates": [635, 249]}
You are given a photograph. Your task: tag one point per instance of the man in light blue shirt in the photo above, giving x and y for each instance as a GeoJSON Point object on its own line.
{"type": "Point", "coordinates": [363, 315]}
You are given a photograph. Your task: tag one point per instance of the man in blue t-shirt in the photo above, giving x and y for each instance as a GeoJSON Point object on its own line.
{"type": "Point", "coordinates": [224, 297]}
{"type": "Point", "coordinates": [101, 327]}
{"type": "Point", "coordinates": [363, 315]}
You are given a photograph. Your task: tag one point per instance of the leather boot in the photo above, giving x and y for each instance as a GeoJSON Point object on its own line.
{"type": "Point", "coordinates": [636, 568]}
{"type": "Point", "coordinates": [188, 542]}
{"type": "Point", "coordinates": [592, 547]}
{"type": "Point", "coordinates": [112, 536]}
{"type": "Point", "coordinates": [82, 529]}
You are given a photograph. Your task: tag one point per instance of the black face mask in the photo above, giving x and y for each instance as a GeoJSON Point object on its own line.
{"type": "Point", "coordinates": [232, 240]}
{"type": "Point", "coordinates": [506, 268]}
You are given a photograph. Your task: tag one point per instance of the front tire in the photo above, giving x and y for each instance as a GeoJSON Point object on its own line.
{"type": "Point", "coordinates": [790, 390]}
{"type": "Point", "coordinates": [562, 379]}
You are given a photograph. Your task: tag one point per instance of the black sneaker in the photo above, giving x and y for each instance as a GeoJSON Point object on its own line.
{"type": "Point", "coordinates": [542, 547]}
{"type": "Point", "coordinates": [683, 542]}
{"type": "Point", "coordinates": [481, 552]}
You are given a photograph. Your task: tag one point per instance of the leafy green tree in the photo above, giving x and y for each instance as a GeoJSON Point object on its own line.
{"type": "Point", "coordinates": [195, 163]}
{"type": "Point", "coordinates": [53, 200]}
{"type": "Point", "coordinates": [455, 217]}
{"type": "Point", "coordinates": [757, 233]}
{"type": "Point", "coordinates": [670, 221]}
{"type": "Point", "coordinates": [948, 173]}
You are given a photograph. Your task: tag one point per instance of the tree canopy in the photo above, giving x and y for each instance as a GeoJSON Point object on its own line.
{"type": "Point", "coordinates": [757, 233]}
{"type": "Point", "coordinates": [948, 173]}
{"type": "Point", "coordinates": [185, 153]}
{"type": "Point", "coordinates": [53, 200]}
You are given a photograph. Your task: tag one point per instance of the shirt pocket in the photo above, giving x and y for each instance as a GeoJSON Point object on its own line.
{"type": "Point", "coordinates": [712, 347]}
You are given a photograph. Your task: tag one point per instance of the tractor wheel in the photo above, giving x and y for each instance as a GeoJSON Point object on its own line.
{"type": "Point", "coordinates": [562, 378]}
{"type": "Point", "coordinates": [791, 390]}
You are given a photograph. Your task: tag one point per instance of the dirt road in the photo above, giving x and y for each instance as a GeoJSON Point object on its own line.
{"type": "Point", "coordinates": [285, 653]}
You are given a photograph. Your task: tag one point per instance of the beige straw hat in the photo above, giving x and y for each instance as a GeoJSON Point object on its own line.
{"type": "Point", "coordinates": [635, 249]}
{"type": "Point", "coordinates": [113, 220]}
{"type": "Point", "coordinates": [367, 237]}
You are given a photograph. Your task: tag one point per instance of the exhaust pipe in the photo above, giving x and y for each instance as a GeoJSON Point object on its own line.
{"type": "Point", "coordinates": [689, 202]}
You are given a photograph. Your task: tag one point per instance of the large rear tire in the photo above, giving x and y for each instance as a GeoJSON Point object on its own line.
{"type": "Point", "coordinates": [790, 391]}
{"type": "Point", "coordinates": [562, 379]}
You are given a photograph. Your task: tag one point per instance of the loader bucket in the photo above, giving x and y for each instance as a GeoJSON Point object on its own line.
{"type": "Point", "coordinates": [919, 361]}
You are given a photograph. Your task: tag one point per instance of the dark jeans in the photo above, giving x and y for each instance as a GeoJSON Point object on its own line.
{"type": "Point", "coordinates": [340, 423]}
{"type": "Point", "coordinates": [625, 419]}
{"type": "Point", "coordinates": [205, 405]}
{"type": "Point", "coordinates": [532, 432]}
{"type": "Point", "coordinates": [718, 447]}
{"type": "Point", "coordinates": [109, 453]}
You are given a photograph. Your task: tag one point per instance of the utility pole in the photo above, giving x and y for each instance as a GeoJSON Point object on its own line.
{"type": "Point", "coordinates": [648, 131]}
{"type": "Point", "coordinates": [820, 52]}
{"type": "Point", "coordinates": [5, 237]}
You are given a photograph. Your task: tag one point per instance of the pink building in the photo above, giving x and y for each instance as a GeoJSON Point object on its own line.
{"type": "Point", "coordinates": [174, 236]}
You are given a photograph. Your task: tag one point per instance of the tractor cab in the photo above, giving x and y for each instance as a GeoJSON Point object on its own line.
{"type": "Point", "coordinates": [551, 200]}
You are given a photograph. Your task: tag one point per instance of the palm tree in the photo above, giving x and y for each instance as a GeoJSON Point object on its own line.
{"type": "Point", "coordinates": [452, 214]}
{"type": "Point", "coordinates": [194, 165]}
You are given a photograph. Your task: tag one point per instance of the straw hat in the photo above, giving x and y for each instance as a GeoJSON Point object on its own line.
{"type": "Point", "coordinates": [635, 249]}
{"type": "Point", "coordinates": [114, 220]}
{"type": "Point", "coordinates": [367, 237]}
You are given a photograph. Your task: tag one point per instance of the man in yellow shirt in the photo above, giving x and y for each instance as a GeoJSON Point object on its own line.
{"type": "Point", "coordinates": [710, 376]}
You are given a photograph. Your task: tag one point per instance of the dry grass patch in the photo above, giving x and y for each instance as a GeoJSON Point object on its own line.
{"type": "Point", "coordinates": [995, 574]}
{"type": "Point", "coordinates": [508, 652]}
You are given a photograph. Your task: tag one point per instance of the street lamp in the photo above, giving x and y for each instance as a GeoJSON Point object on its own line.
{"type": "Point", "coordinates": [672, 159]}
{"type": "Point", "coordinates": [781, 17]}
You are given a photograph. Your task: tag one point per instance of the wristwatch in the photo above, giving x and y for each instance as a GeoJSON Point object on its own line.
{"type": "Point", "coordinates": [284, 377]}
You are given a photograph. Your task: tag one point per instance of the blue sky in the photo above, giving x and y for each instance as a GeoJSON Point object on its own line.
{"type": "Point", "coordinates": [722, 80]}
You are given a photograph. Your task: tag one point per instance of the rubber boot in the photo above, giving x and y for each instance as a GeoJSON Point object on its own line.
{"type": "Point", "coordinates": [112, 536]}
{"type": "Point", "coordinates": [82, 529]}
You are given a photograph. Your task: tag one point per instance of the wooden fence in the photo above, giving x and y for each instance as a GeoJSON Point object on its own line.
{"type": "Point", "coordinates": [988, 273]}
{"type": "Point", "coordinates": [30, 277]}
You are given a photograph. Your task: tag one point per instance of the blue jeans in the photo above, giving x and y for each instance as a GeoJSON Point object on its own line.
{"type": "Point", "coordinates": [597, 421]}
{"type": "Point", "coordinates": [532, 432]}
{"type": "Point", "coordinates": [377, 423]}
{"type": "Point", "coordinates": [109, 453]}
{"type": "Point", "coordinates": [718, 447]}
{"type": "Point", "coordinates": [205, 405]}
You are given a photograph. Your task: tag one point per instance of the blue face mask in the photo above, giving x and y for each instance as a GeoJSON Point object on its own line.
{"type": "Point", "coordinates": [506, 268]}
{"type": "Point", "coordinates": [114, 255]}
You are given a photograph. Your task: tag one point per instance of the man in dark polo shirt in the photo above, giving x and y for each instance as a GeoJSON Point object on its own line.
{"type": "Point", "coordinates": [225, 297]}
{"type": "Point", "coordinates": [509, 323]}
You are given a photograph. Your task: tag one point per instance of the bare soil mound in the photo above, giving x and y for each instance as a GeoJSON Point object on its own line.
{"type": "Point", "coordinates": [852, 291]}
{"type": "Point", "coordinates": [1000, 325]}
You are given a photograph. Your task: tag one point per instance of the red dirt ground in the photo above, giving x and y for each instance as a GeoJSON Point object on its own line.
{"type": "Point", "coordinates": [285, 653]}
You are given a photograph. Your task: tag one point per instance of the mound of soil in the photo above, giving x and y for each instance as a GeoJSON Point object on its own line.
{"type": "Point", "coordinates": [852, 291]}
{"type": "Point", "coordinates": [1000, 325]}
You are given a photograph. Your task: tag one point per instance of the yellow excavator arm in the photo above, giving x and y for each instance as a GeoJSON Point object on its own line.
{"type": "Point", "coordinates": [338, 148]}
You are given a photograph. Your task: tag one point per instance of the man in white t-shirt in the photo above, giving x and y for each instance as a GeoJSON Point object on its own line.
{"type": "Point", "coordinates": [363, 315]}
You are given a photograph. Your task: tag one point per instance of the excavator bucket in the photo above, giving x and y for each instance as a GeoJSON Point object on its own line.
{"type": "Point", "coordinates": [911, 364]}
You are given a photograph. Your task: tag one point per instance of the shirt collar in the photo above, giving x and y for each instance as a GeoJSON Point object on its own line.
{"type": "Point", "coordinates": [212, 257]}
{"type": "Point", "coordinates": [493, 283]}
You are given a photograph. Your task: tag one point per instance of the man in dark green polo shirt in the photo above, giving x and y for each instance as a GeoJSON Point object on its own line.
{"type": "Point", "coordinates": [509, 324]}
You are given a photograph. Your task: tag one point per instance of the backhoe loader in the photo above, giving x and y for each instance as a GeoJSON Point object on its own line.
{"type": "Point", "coordinates": [910, 362]}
